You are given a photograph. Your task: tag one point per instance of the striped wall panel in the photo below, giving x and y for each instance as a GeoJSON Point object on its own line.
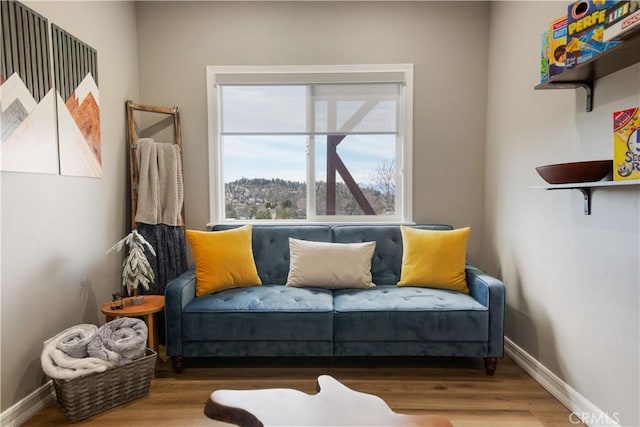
{"type": "Point", "coordinates": [25, 47]}
{"type": "Point", "coordinates": [74, 59]}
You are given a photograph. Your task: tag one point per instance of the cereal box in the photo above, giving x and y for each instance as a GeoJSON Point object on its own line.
{"type": "Point", "coordinates": [621, 19]}
{"type": "Point", "coordinates": [557, 45]}
{"type": "Point", "coordinates": [544, 57]}
{"type": "Point", "coordinates": [585, 30]}
{"type": "Point", "coordinates": [626, 144]}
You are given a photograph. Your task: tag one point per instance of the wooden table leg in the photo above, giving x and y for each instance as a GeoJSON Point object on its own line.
{"type": "Point", "coordinates": [109, 318]}
{"type": "Point", "coordinates": [151, 338]}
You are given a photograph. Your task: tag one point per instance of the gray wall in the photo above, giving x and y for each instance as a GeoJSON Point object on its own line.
{"type": "Point", "coordinates": [177, 40]}
{"type": "Point", "coordinates": [572, 280]}
{"type": "Point", "coordinates": [56, 229]}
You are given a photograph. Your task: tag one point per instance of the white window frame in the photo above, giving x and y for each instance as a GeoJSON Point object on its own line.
{"type": "Point", "coordinates": [404, 150]}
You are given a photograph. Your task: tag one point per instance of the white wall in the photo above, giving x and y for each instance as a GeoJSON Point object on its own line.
{"type": "Point", "coordinates": [572, 280]}
{"type": "Point", "coordinates": [177, 40]}
{"type": "Point", "coordinates": [56, 229]}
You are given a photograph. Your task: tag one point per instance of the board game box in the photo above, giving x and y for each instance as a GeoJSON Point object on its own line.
{"type": "Point", "coordinates": [557, 45]}
{"type": "Point", "coordinates": [585, 30]}
{"type": "Point", "coordinates": [626, 144]}
{"type": "Point", "coordinates": [544, 57]}
{"type": "Point", "coordinates": [622, 18]}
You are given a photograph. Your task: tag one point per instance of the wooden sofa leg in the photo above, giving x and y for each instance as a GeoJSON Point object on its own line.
{"type": "Point", "coordinates": [178, 365]}
{"type": "Point", "coordinates": [490, 365]}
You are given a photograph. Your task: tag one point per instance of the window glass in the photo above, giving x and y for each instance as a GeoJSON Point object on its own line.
{"type": "Point", "coordinates": [264, 177]}
{"type": "Point", "coordinates": [369, 162]}
{"type": "Point", "coordinates": [328, 149]}
{"type": "Point", "coordinates": [263, 109]}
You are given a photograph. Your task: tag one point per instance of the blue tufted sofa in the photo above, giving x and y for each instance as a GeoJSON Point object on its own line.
{"type": "Point", "coordinates": [386, 320]}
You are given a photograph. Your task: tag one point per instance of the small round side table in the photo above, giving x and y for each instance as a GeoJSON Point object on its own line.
{"type": "Point", "coordinates": [152, 304]}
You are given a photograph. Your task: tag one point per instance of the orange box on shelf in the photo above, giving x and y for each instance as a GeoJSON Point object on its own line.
{"type": "Point", "coordinates": [626, 144]}
{"type": "Point", "coordinates": [557, 45]}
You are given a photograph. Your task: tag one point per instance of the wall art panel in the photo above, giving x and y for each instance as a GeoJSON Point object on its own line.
{"type": "Point", "coordinates": [28, 119]}
{"type": "Point", "coordinates": [75, 67]}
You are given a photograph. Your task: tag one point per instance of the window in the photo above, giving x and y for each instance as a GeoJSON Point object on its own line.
{"type": "Point", "coordinates": [314, 143]}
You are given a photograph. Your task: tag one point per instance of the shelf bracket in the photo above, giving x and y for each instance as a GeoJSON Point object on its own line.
{"type": "Point", "coordinates": [588, 88]}
{"type": "Point", "coordinates": [585, 84]}
{"type": "Point", "coordinates": [586, 193]}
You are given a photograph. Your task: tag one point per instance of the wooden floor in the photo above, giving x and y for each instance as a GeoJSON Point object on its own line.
{"type": "Point", "coordinates": [455, 388]}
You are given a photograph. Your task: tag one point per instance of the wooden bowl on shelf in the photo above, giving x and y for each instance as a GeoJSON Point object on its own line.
{"type": "Point", "coordinates": [571, 173]}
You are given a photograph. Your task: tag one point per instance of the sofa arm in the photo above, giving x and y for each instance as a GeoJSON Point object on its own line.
{"type": "Point", "coordinates": [489, 292]}
{"type": "Point", "coordinates": [178, 293]}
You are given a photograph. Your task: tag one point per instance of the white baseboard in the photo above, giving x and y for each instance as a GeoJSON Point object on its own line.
{"type": "Point", "coordinates": [581, 408]}
{"type": "Point", "coordinates": [27, 407]}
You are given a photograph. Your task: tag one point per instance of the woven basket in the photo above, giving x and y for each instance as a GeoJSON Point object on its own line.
{"type": "Point", "coordinates": [87, 396]}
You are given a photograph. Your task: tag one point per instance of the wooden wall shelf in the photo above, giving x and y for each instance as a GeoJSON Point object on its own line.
{"type": "Point", "coordinates": [585, 189]}
{"type": "Point", "coordinates": [622, 56]}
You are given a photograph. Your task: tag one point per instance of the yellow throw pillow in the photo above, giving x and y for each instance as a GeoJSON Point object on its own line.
{"type": "Point", "coordinates": [434, 258]}
{"type": "Point", "coordinates": [224, 259]}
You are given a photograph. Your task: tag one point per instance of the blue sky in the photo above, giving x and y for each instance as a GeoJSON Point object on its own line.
{"type": "Point", "coordinates": [285, 156]}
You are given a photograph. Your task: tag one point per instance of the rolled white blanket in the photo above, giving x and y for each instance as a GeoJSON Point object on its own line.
{"type": "Point", "coordinates": [120, 341]}
{"type": "Point", "coordinates": [75, 341]}
{"type": "Point", "coordinates": [60, 365]}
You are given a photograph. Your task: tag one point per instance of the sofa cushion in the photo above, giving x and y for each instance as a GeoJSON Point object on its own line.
{"type": "Point", "coordinates": [268, 312]}
{"type": "Point", "coordinates": [330, 265]}
{"type": "Point", "coordinates": [434, 258]}
{"type": "Point", "coordinates": [387, 258]}
{"type": "Point", "coordinates": [223, 259]}
{"type": "Point", "coordinates": [271, 247]}
{"type": "Point", "coordinates": [390, 313]}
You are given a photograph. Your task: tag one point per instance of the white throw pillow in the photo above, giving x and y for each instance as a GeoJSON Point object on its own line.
{"type": "Point", "coordinates": [330, 265]}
